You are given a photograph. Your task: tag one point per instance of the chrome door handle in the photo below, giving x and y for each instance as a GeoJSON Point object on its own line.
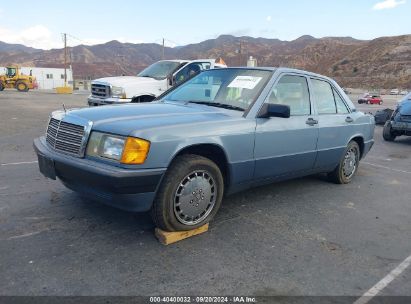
{"type": "Point", "coordinates": [311, 121]}
{"type": "Point", "coordinates": [349, 119]}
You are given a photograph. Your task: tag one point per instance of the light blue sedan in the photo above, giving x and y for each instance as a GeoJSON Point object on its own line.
{"type": "Point", "coordinates": [218, 133]}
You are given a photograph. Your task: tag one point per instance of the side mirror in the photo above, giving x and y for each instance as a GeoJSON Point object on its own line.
{"type": "Point", "coordinates": [274, 110]}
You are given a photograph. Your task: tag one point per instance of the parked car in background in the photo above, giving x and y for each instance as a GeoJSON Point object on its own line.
{"type": "Point", "coordinates": [381, 116]}
{"type": "Point", "coordinates": [370, 99]}
{"type": "Point", "coordinates": [394, 92]}
{"type": "Point", "coordinates": [220, 132]}
{"type": "Point", "coordinates": [400, 121]}
{"type": "Point", "coordinates": [149, 83]}
{"type": "Point", "coordinates": [404, 92]}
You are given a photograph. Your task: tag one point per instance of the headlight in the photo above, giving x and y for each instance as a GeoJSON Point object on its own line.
{"type": "Point", "coordinates": [118, 92]}
{"type": "Point", "coordinates": [127, 150]}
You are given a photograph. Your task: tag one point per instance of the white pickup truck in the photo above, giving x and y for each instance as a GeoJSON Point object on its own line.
{"type": "Point", "coordinates": [148, 84]}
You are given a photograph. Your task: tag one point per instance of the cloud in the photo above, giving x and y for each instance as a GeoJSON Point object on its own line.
{"type": "Point", "coordinates": [40, 37]}
{"type": "Point", "coordinates": [387, 4]}
{"type": "Point", "coordinates": [268, 18]}
{"type": "Point", "coordinates": [37, 36]}
{"type": "Point", "coordinates": [268, 32]}
{"type": "Point", "coordinates": [241, 32]}
{"type": "Point", "coordinates": [93, 41]}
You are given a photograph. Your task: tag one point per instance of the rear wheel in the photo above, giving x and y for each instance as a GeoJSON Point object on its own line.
{"type": "Point", "coordinates": [348, 165]}
{"type": "Point", "coordinates": [1, 86]}
{"type": "Point", "coordinates": [189, 195]}
{"type": "Point", "coordinates": [21, 86]}
{"type": "Point", "coordinates": [387, 132]}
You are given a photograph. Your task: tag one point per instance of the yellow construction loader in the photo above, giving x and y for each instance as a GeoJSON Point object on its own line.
{"type": "Point", "coordinates": [14, 79]}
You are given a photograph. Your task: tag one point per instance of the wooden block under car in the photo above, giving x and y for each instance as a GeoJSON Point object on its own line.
{"type": "Point", "coordinates": [167, 238]}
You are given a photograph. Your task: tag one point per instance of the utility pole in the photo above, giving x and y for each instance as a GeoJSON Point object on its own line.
{"type": "Point", "coordinates": [162, 56]}
{"type": "Point", "coordinates": [65, 59]}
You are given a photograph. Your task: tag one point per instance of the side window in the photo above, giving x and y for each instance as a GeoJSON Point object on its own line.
{"type": "Point", "coordinates": [11, 72]}
{"type": "Point", "coordinates": [341, 107]}
{"type": "Point", "coordinates": [190, 70]}
{"type": "Point", "coordinates": [292, 91]}
{"type": "Point", "coordinates": [324, 97]}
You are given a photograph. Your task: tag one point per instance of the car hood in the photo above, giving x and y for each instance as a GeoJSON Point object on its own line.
{"type": "Point", "coordinates": [126, 119]}
{"type": "Point", "coordinates": [124, 81]}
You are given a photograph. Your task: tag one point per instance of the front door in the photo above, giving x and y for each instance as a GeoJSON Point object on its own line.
{"type": "Point", "coordinates": [287, 146]}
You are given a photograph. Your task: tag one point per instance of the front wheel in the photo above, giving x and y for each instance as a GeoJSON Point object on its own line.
{"type": "Point", "coordinates": [21, 86]}
{"type": "Point", "coordinates": [190, 194]}
{"type": "Point", "coordinates": [348, 165]}
{"type": "Point", "coordinates": [387, 133]}
{"type": "Point", "coordinates": [1, 86]}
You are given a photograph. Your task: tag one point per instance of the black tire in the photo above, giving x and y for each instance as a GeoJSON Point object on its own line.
{"type": "Point", "coordinates": [351, 154]}
{"type": "Point", "coordinates": [1, 86]}
{"type": "Point", "coordinates": [380, 103]}
{"type": "Point", "coordinates": [387, 133]}
{"type": "Point", "coordinates": [21, 86]}
{"type": "Point", "coordinates": [166, 211]}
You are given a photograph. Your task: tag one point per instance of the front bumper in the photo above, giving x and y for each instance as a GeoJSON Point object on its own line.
{"type": "Point", "coordinates": [94, 101]}
{"type": "Point", "coordinates": [127, 189]}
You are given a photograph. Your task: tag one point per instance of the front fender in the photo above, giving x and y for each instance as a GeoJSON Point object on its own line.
{"type": "Point", "coordinates": [192, 142]}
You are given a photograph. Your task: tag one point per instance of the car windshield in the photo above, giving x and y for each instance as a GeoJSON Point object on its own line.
{"type": "Point", "coordinates": [234, 89]}
{"type": "Point", "coordinates": [159, 70]}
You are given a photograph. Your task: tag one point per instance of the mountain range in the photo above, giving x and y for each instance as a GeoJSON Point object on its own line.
{"type": "Point", "coordinates": [379, 63]}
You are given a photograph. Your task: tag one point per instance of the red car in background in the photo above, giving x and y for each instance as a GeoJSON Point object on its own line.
{"type": "Point", "coordinates": [370, 99]}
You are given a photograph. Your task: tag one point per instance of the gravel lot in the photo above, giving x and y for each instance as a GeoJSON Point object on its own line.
{"type": "Point", "coordinates": [300, 237]}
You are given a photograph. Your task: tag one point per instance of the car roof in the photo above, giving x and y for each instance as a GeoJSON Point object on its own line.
{"type": "Point", "coordinates": [175, 60]}
{"type": "Point", "coordinates": [284, 70]}
{"type": "Point", "coordinates": [190, 60]}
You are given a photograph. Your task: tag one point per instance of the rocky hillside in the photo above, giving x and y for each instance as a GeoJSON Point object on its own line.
{"type": "Point", "coordinates": [383, 62]}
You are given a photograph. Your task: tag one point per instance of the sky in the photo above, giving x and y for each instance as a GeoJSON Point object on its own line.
{"type": "Point", "coordinates": [40, 24]}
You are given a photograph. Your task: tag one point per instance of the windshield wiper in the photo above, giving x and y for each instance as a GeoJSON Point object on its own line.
{"type": "Point", "coordinates": [218, 105]}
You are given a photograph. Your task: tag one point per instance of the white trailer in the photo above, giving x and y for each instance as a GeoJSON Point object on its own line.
{"type": "Point", "coordinates": [47, 78]}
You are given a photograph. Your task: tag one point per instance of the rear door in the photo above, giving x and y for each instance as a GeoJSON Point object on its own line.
{"type": "Point", "coordinates": [287, 146]}
{"type": "Point", "coordinates": [336, 126]}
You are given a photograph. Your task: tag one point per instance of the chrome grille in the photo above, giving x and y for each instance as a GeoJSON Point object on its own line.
{"type": "Point", "coordinates": [100, 90]}
{"type": "Point", "coordinates": [65, 137]}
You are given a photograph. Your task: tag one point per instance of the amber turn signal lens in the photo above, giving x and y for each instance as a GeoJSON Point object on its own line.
{"type": "Point", "coordinates": [135, 151]}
